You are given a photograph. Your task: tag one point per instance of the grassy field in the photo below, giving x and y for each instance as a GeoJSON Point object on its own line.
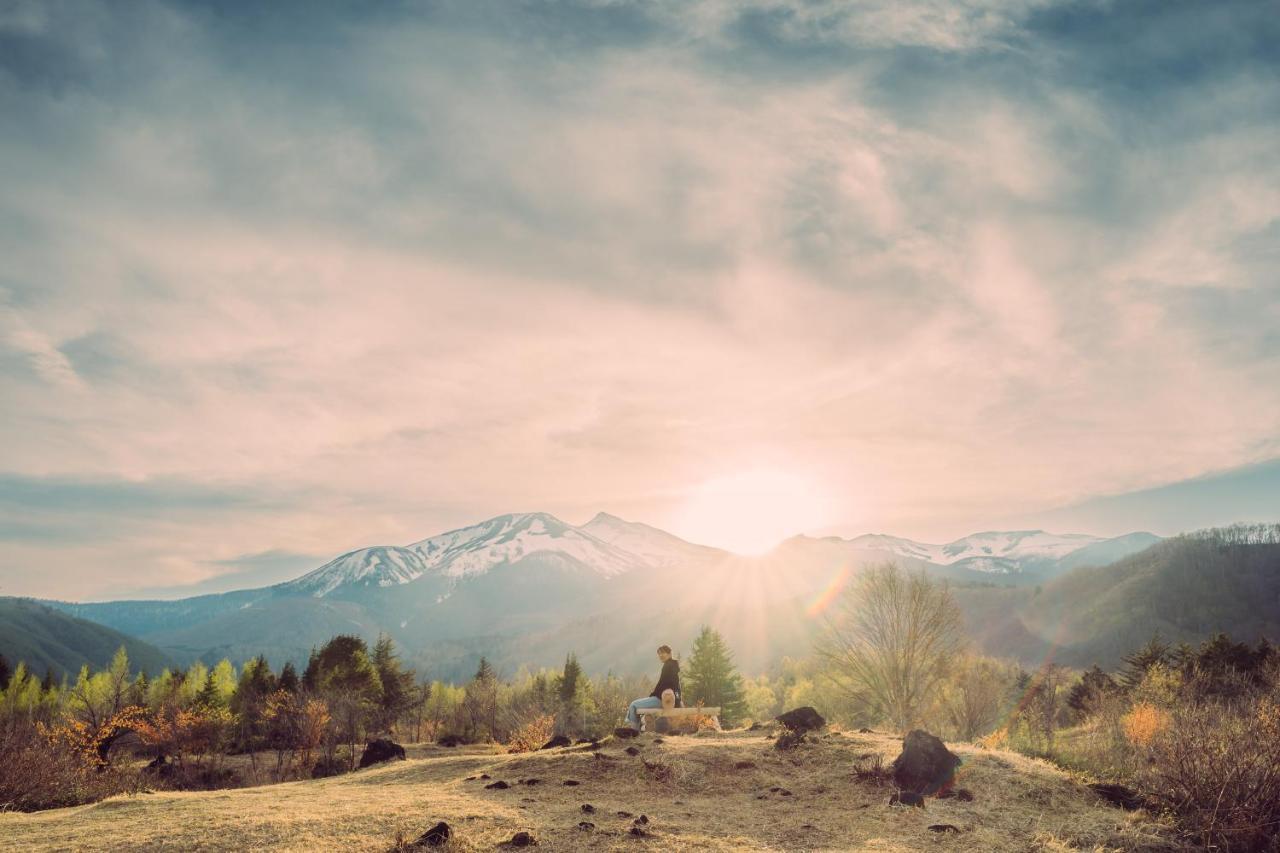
{"type": "Point", "coordinates": [688, 787]}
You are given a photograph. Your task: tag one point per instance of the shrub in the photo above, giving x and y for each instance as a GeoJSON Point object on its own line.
{"type": "Point", "coordinates": [533, 734]}
{"type": "Point", "coordinates": [1144, 723]}
{"type": "Point", "coordinates": [1218, 770]}
{"type": "Point", "coordinates": [37, 773]}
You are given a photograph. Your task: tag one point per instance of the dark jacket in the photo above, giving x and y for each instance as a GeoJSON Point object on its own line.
{"type": "Point", "coordinates": [670, 679]}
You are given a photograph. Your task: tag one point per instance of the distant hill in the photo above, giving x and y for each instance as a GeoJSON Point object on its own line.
{"type": "Point", "coordinates": [525, 588]}
{"type": "Point", "coordinates": [50, 640]}
{"type": "Point", "coordinates": [1186, 589]}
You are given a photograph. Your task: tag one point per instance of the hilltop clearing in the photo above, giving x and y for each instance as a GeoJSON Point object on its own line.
{"type": "Point", "coordinates": [731, 791]}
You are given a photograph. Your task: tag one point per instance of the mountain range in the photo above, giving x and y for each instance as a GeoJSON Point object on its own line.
{"type": "Point", "coordinates": [526, 588]}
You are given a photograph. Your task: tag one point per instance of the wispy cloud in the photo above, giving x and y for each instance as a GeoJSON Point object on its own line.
{"type": "Point", "coordinates": [384, 271]}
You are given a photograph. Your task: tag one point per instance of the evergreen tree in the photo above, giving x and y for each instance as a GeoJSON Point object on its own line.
{"type": "Point", "coordinates": [210, 695]}
{"type": "Point", "coordinates": [711, 679]}
{"type": "Point", "coordinates": [397, 682]}
{"type": "Point", "coordinates": [569, 678]}
{"type": "Point", "coordinates": [5, 672]}
{"type": "Point", "coordinates": [481, 702]}
{"type": "Point", "coordinates": [1093, 685]}
{"type": "Point", "coordinates": [288, 681]}
{"type": "Point", "coordinates": [311, 675]}
{"type": "Point", "coordinates": [1156, 651]}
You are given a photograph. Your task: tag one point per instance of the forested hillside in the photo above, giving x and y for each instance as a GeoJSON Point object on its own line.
{"type": "Point", "coordinates": [49, 640]}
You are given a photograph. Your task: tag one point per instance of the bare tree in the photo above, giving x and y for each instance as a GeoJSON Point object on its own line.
{"type": "Point", "coordinates": [975, 696]}
{"type": "Point", "coordinates": [890, 642]}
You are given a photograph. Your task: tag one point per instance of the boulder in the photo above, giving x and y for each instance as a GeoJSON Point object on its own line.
{"type": "Point", "coordinates": [522, 839]}
{"type": "Point", "coordinates": [625, 732]}
{"type": "Point", "coordinates": [380, 750]}
{"type": "Point", "coordinates": [906, 798]}
{"type": "Point", "coordinates": [556, 742]}
{"type": "Point", "coordinates": [804, 719]}
{"type": "Point", "coordinates": [925, 766]}
{"type": "Point", "coordinates": [450, 740]}
{"type": "Point", "coordinates": [500, 785]}
{"type": "Point", "coordinates": [436, 836]}
{"type": "Point", "coordinates": [943, 827]}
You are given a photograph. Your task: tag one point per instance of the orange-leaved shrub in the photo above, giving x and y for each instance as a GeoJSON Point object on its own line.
{"type": "Point", "coordinates": [1143, 723]}
{"type": "Point", "coordinates": [533, 734]}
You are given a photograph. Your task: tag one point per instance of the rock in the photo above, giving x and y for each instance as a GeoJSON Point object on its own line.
{"type": "Point", "coordinates": [744, 765]}
{"type": "Point", "coordinates": [450, 741]}
{"type": "Point", "coordinates": [907, 798]}
{"type": "Point", "coordinates": [380, 750]}
{"type": "Point", "coordinates": [586, 826]}
{"type": "Point", "coordinates": [865, 731]}
{"type": "Point", "coordinates": [638, 831]}
{"type": "Point", "coordinates": [784, 793]}
{"type": "Point", "coordinates": [631, 750]}
{"type": "Point", "coordinates": [485, 776]}
{"type": "Point", "coordinates": [530, 781]}
{"type": "Point", "coordinates": [658, 740]}
{"type": "Point", "coordinates": [625, 732]}
{"type": "Point", "coordinates": [522, 839]}
{"type": "Point", "coordinates": [556, 742]}
{"type": "Point", "coordinates": [571, 782]}
{"type": "Point", "coordinates": [1117, 795]}
{"type": "Point", "coordinates": [498, 786]}
{"type": "Point", "coordinates": [925, 766]}
{"type": "Point", "coordinates": [436, 836]}
{"type": "Point", "coordinates": [964, 795]}
{"type": "Point", "coordinates": [469, 779]}
{"type": "Point", "coordinates": [804, 719]}
{"type": "Point", "coordinates": [643, 819]}
{"type": "Point", "coordinates": [943, 827]}
{"type": "Point", "coordinates": [624, 814]}
{"type": "Point", "coordinates": [587, 808]}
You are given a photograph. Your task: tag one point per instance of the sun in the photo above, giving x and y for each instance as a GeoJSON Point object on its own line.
{"type": "Point", "coordinates": [751, 511]}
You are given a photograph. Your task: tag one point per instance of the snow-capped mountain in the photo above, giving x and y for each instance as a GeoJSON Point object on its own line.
{"type": "Point", "coordinates": [655, 547]}
{"type": "Point", "coordinates": [379, 566]}
{"type": "Point", "coordinates": [991, 552]}
{"type": "Point", "coordinates": [606, 546]}
{"type": "Point", "coordinates": [509, 538]}
{"type": "Point", "coordinates": [1017, 545]}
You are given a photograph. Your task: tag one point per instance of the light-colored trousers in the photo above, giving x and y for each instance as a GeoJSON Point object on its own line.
{"type": "Point", "coordinates": [647, 702]}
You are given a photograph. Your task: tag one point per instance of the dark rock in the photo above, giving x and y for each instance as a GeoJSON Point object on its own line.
{"type": "Point", "coordinates": [522, 839]}
{"type": "Point", "coordinates": [865, 731]}
{"type": "Point", "coordinates": [625, 732]}
{"type": "Point", "coordinates": [639, 831]}
{"type": "Point", "coordinates": [498, 786]}
{"type": "Point", "coordinates": [380, 750]}
{"type": "Point", "coordinates": [804, 719]}
{"type": "Point", "coordinates": [744, 765]}
{"type": "Point", "coordinates": [643, 819]}
{"type": "Point", "coordinates": [586, 826]}
{"type": "Point", "coordinates": [631, 750]}
{"type": "Point", "coordinates": [784, 793]}
{"type": "Point", "coordinates": [624, 814]}
{"type": "Point", "coordinates": [925, 766]}
{"type": "Point", "coordinates": [943, 827]}
{"type": "Point", "coordinates": [658, 740]}
{"type": "Point", "coordinates": [485, 776]}
{"type": "Point", "coordinates": [556, 742]}
{"type": "Point", "coordinates": [907, 798]}
{"type": "Point", "coordinates": [1118, 795]}
{"type": "Point", "coordinates": [964, 795]}
{"type": "Point", "coordinates": [530, 781]}
{"type": "Point", "coordinates": [587, 808]}
{"type": "Point", "coordinates": [450, 741]}
{"type": "Point", "coordinates": [436, 836]}
{"type": "Point", "coordinates": [571, 782]}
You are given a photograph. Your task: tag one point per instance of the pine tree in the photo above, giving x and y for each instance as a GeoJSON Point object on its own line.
{"type": "Point", "coordinates": [1156, 651]}
{"type": "Point", "coordinates": [569, 678]}
{"type": "Point", "coordinates": [397, 682]}
{"type": "Point", "coordinates": [711, 679]}
{"type": "Point", "coordinates": [288, 681]}
{"type": "Point", "coordinates": [210, 695]}
{"type": "Point", "coordinates": [5, 672]}
{"type": "Point", "coordinates": [311, 675]}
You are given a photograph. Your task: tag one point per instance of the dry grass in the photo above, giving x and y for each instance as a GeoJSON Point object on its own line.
{"type": "Point", "coordinates": [689, 787]}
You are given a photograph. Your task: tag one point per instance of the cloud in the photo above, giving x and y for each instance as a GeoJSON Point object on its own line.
{"type": "Point", "coordinates": [382, 271]}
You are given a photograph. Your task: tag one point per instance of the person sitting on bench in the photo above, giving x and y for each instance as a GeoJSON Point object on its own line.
{"type": "Point", "coordinates": [669, 680]}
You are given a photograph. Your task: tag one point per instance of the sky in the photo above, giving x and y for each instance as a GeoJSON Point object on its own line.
{"type": "Point", "coordinates": [282, 280]}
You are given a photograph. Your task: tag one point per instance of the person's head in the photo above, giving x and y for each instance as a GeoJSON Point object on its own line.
{"type": "Point", "coordinates": [664, 653]}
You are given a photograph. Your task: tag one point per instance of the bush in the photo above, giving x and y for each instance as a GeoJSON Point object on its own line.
{"type": "Point", "coordinates": [1217, 769]}
{"type": "Point", "coordinates": [38, 774]}
{"type": "Point", "coordinates": [533, 734]}
{"type": "Point", "coordinates": [1144, 723]}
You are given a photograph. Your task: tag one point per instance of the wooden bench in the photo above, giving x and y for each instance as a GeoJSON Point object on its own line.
{"type": "Point", "coordinates": [674, 715]}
